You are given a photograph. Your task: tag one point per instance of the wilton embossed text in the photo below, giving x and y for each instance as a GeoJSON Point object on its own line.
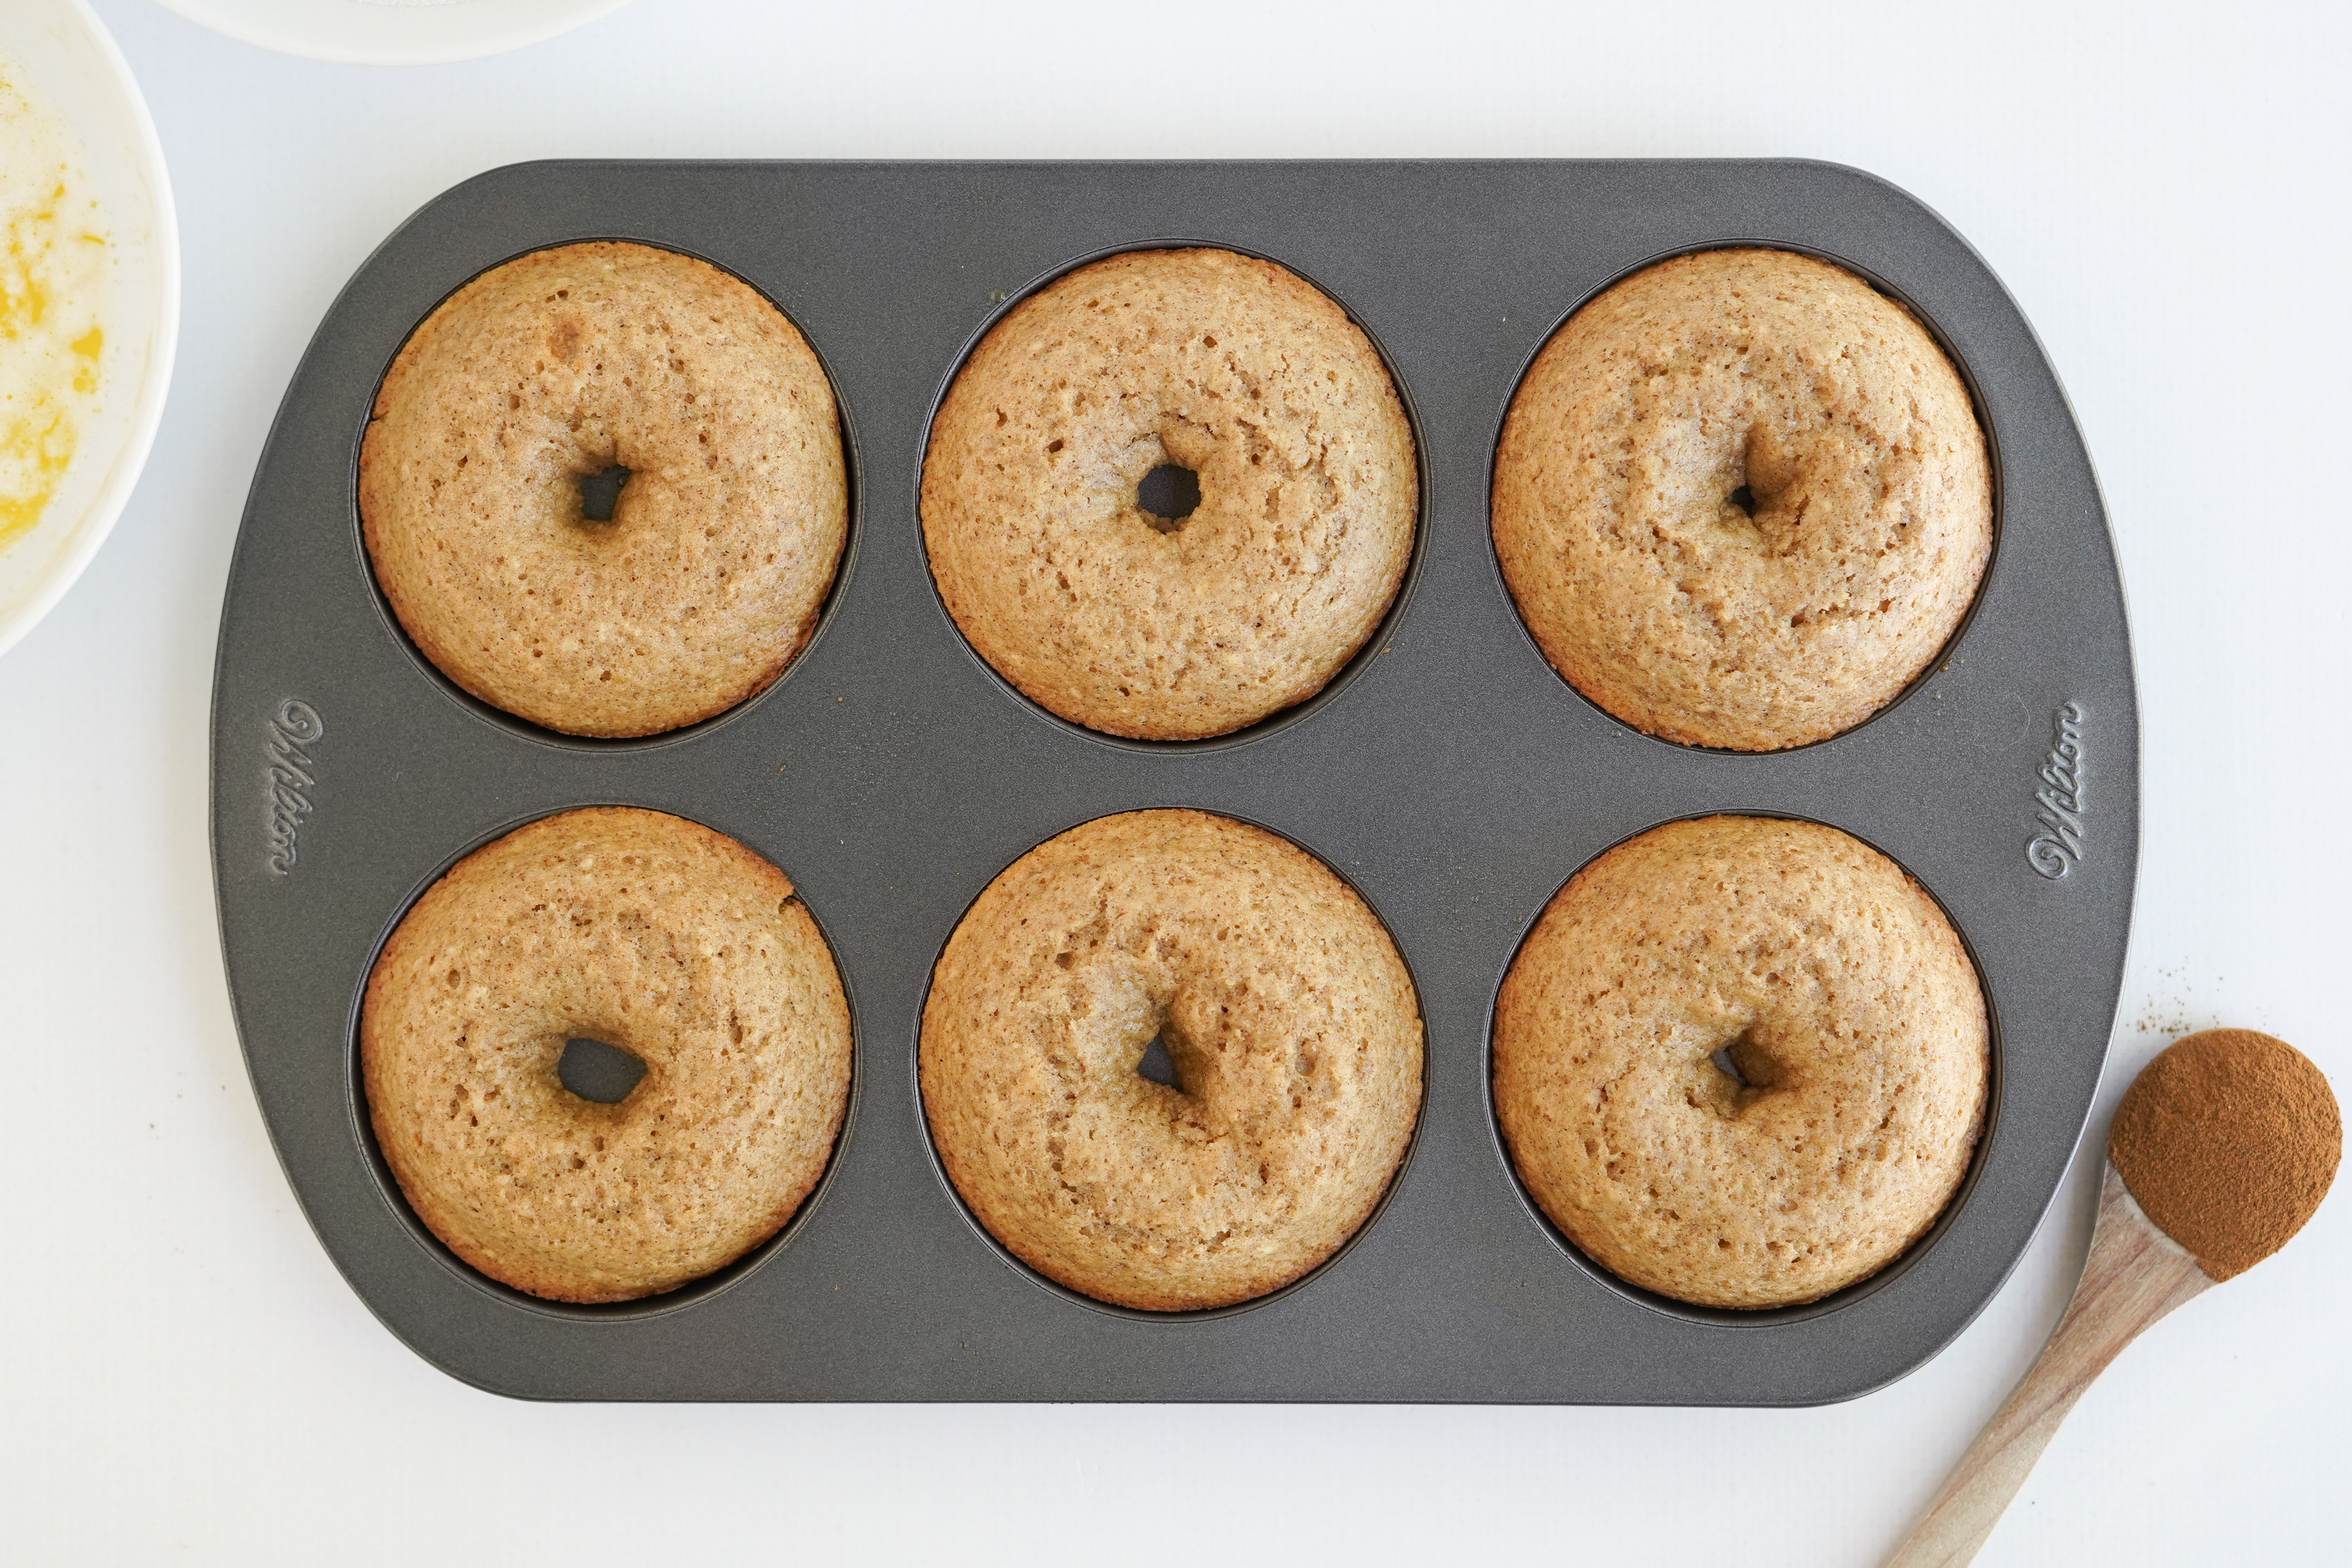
{"type": "Point", "coordinates": [285, 775]}
{"type": "Point", "coordinates": [2057, 849]}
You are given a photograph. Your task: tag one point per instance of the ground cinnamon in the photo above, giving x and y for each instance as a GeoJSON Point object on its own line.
{"type": "Point", "coordinates": [2227, 1140]}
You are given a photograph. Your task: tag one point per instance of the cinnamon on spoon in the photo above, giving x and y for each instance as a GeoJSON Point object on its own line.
{"type": "Point", "coordinates": [2221, 1150]}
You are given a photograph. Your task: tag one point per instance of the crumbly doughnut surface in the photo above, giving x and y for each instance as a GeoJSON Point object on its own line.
{"type": "Point", "coordinates": [1668, 410]}
{"type": "Point", "coordinates": [1228, 366]}
{"type": "Point", "coordinates": [1292, 1023]}
{"type": "Point", "coordinates": [709, 573]}
{"type": "Point", "coordinates": [1835, 987]}
{"type": "Point", "coordinates": [647, 932]}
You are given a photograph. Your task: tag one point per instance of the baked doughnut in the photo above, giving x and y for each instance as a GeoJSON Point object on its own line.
{"type": "Point", "coordinates": [647, 932]}
{"type": "Point", "coordinates": [1177, 627]}
{"type": "Point", "coordinates": [1741, 1061]}
{"type": "Point", "coordinates": [1742, 501]}
{"type": "Point", "coordinates": [1288, 1016]}
{"type": "Point", "coordinates": [568, 363]}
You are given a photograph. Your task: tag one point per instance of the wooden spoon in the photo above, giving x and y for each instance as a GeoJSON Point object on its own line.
{"type": "Point", "coordinates": [2233, 1138]}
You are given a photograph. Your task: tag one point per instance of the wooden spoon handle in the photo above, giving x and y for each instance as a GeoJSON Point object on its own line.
{"type": "Point", "coordinates": [2135, 1275]}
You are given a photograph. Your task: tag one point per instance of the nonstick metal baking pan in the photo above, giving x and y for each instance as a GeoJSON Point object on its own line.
{"type": "Point", "coordinates": [1448, 774]}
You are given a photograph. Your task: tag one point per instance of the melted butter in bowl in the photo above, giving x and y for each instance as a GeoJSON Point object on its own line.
{"type": "Point", "coordinates": [55, 283]}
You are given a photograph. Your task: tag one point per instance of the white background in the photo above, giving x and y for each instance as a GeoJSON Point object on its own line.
{"type": "Point", "coordinates": [2163, 187]}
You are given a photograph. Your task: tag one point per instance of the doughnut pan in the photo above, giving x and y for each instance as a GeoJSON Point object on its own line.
{"type": "Point", "coordinates": [1448, 774]}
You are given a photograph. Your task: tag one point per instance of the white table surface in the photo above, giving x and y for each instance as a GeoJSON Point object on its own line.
{"type": "Point", "coordinates": [2162, 188]}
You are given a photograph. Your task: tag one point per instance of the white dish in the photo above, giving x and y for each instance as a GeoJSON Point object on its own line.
{"type": "Point", "coordinates": [63, 56]}
{"type": "Point", "coordinates": [393, 32]}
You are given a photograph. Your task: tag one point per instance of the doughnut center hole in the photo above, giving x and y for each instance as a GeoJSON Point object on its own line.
{"type": "Point", "coordinates": [600, 492]}
{"type": "Point", "coordinates": [1744, 1062]}
{"type": "Point", "coordinates": [1745, 500]}
{"type": "Point", "coordinates": [1158, 1065]}
{"type": "Point", "coordinates": [595, 1071]}
{"type": "Point", "coordinates": [1168, 495]}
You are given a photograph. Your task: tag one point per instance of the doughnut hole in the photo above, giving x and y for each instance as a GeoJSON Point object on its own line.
{"type": "Point", "coordinates": [600, 490]}
{"type": "Point", "coordinates": [1738, 1073]}
{"type": "Point", "coordinates": [1156, 1063]}
{"type": "Point", "coordinates": [599, 1073]}
{"type": "Point", "coordinates": [1168, 495]}
{"type": "Point", "coordinates": [1149, 1021]}
{"type": "Point", "coordinates": [1763, 480]}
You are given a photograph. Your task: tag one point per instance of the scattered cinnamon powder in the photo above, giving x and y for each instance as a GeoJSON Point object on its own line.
{"type": "Point", "coordinates": [2227, 1140]}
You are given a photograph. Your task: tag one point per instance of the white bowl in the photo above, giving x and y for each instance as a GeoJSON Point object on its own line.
{"type": "Point", "coordinates": [393, 32]}
{"type": "Point", "coordinates": [72, 67]}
